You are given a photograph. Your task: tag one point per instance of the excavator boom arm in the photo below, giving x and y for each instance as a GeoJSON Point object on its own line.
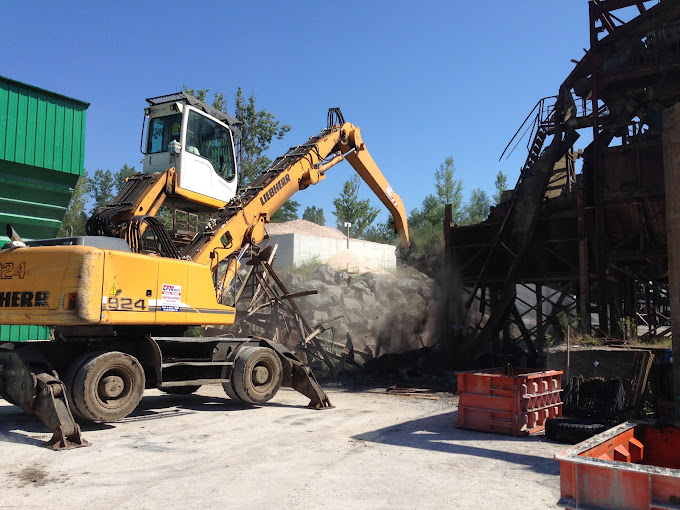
{"type": "Point", "coordinates": [242, 221]}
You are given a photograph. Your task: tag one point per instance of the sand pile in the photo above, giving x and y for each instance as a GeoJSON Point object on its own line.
{"type": "Point", "coordinates": [303, 227]}
{"type": "Point", "coordinates": [353, 263]}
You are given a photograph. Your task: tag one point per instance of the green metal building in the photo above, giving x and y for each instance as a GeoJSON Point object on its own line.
{"type": "Point", "coordinates": [42, 151]}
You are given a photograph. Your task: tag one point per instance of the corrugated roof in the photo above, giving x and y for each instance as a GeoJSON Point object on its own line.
{"type": "Point", "coordinates": [45, 91]}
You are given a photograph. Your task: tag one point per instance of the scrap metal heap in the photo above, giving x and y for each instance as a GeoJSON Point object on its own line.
{"type": "Point", "coordinates": [593, 242]}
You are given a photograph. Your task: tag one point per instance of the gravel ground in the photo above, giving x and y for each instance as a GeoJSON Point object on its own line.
{"type": "Point", "coordinates": [373, 451]}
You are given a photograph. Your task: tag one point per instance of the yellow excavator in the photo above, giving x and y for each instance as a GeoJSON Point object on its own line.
{"type": "Point", "coordinates": [120, 298]}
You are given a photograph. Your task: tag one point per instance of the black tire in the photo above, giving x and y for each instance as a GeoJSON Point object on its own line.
{"type": "Point", "coordinates": [257, 374]}
{"type": "Point", "coordinates": [181, 390]}
{"type": "Point", "coordinates": [69, 378]}
{"type": "Point", "coordinates": [572, 430]}
{"type": "Point", "coordinates": [229, 386]}
{"type": "Point", "coordinates": [108, 386]}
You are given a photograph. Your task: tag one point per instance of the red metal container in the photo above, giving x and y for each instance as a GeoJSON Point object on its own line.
{"type": "Point", "coordinates": [633, 465]}
{"type": "Point", "coordinates": [516, 404]}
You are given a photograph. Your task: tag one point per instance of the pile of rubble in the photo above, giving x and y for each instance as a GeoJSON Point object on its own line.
{"type": "Point", "coordinates": [382, 312]}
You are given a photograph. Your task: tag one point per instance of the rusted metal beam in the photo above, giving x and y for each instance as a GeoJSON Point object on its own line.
{"type": "Point", "coordinates": [614, 5]}
{"type": "Point", "coordinates": [671, 144]}
{"type": "Point", "coordinates": [583, 270]}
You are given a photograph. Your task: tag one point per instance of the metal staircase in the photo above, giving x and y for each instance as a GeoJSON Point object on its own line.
{"type": "Point", "coordinates": [516, 230]}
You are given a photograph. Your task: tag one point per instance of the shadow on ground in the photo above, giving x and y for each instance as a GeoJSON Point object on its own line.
{"type": "Point", "coordinates": [439, 433]}
{"type": "Point", "coordinates": [16, 426]}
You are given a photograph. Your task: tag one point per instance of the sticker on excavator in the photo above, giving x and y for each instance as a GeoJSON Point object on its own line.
{"type": "Point", "coordinates": [171, 298]}
{"type": "Point", "coordinates": [388, 192]}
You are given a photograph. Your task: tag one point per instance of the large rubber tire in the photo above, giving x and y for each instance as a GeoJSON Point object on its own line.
{"type": "Point", "coordinates": [229, 389]}
{"type": "Point", "coordinates": [229, 386]}
{"type": "Point", "coordinates": [572, 430]}
{"type": "Point", "coordinates": [108, 386]}
{"type": "Point", "coordinates": [181, 390]}
{"type": "Point", "coordinates": [257, 374]}
{"type": "Point", "coordinates": [69, 377]}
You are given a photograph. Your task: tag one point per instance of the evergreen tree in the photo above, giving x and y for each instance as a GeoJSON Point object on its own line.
{"type": "Point", "coordinates": [287, 212]}
{"type": "Point", "coordinates": [75, 216]}
{"type": "Point", "coordinates": [477, 208]}
{"type": "Point", "coordinates": [426, 223]}
{"type": "Point", "coordinates": [100, 188]}
{"type": "Point", "coordinates": [258, 129]}
{"type": "Point", "coordinates": [448, 190]}
{"type": "Point", "coordinates": [348, 208]}
{"type": "Point", "coordinates": [121, 175]}
{"type": "Point", "coordinates": [382, 232]}
{"type": "Point", "coordinates": [501, 185]}
{"type": "Point", "coordinates": [315, 215]}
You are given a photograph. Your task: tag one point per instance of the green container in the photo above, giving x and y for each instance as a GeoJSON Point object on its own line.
{"type": "Point", "coordinates": [42, 154]}
{"type": "Point", "coordinates": [42, 151]}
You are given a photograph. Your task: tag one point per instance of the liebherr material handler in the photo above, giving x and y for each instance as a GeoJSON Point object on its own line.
{"type": "Point", "coordinates": [118, 310]}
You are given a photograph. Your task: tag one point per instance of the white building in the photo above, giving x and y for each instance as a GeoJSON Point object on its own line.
{"type": "Point", "coordinates": [302, 241]}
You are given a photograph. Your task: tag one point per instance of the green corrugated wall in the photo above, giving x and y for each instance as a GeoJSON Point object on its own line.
{"type": "Point", "coordinates": [42, 151]}
{"type": "Point", "coordinates": [42, 154]}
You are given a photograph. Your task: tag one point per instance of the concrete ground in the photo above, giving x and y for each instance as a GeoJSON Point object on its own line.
{"type": "Point", "coordinates": [373, 451]}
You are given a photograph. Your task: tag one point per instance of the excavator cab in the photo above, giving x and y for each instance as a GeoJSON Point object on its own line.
{"type": "Point", "coordinates": [197, 140]}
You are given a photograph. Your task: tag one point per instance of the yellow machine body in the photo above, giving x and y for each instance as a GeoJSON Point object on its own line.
{"type": "Point", "coordinates": [83, 285]}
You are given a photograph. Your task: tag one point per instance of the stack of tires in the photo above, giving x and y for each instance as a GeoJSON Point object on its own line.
{"type": "Point", "coordinates": [590, 406]}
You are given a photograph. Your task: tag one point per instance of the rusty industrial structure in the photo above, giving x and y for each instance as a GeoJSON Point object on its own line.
{"type": "Point", "coordinates": [591, 244]}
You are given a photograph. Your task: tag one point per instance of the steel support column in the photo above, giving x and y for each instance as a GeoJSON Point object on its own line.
{"type": "Point", "coordinates": [583, 271]}
{"type": "Point", "coordinates": [671, 159]}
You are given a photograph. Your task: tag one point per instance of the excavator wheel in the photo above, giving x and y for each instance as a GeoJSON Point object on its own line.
{"type": "Point", "coordinates": [229, 386]}
{"type": "Point", "coordinates": [69, 377]}
{"type": "Point", "coordinates": [108, 386]}
{"type": "Point", "coordinates": [257, 374]}
{"type": "Point", "coordinates": [230, 391]}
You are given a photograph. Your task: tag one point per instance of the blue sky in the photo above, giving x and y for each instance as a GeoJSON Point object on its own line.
{"type": "Point", "coordinates": [424, 80]}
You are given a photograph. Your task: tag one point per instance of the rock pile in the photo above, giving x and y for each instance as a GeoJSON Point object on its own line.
{"type": "Point", "coordinates": [383, 312]}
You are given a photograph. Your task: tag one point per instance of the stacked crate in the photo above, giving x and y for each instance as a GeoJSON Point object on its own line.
{"type": "Point", "coordinates": [515, 403]}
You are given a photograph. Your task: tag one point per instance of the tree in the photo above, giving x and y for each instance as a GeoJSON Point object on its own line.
{"type": "Point", "coordinates": [197, 93]}
{"type": "Point", "coordinates": [426, 223]}
{"type": "Point", "coordinates": [75, 216]}
{"type": "Point", "coordinates": [315, 215]}
{"type": "Point", "coordinates": [348, 208]}
{"type": "Point", "coordinates": [104, 185]}
{"type": "Point", "coordinates": [382, 232]}
{"type": "Point", "coordinates": [100, 188]}
{"type": "Point", "coordinates": [121, 175]}
{"type": "Point", "coordinates": [287, 212]}
{"type": "Point", "coordinates": [477, 208]}
{"type": "Point", "coordinates": [501, 185]}
{"type": "Point", "coordinates": [448, 190]}
{"type": "Point", "coordinates": [426, 227]}
{"type": "Point", "coordinates": [258, 129]}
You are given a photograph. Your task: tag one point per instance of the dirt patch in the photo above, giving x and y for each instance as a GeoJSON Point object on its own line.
{"type": "Point", "coordinates": [31, 476]}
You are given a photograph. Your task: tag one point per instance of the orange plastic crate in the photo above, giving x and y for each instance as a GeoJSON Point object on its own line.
{"type": "Point", "coordinates": [517, 404]}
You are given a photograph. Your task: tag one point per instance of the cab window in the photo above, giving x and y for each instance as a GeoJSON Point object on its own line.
{"type": "Point", "coordinates": [212, 141]}
{"type": "Point", "coordinates": [163, 130]}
